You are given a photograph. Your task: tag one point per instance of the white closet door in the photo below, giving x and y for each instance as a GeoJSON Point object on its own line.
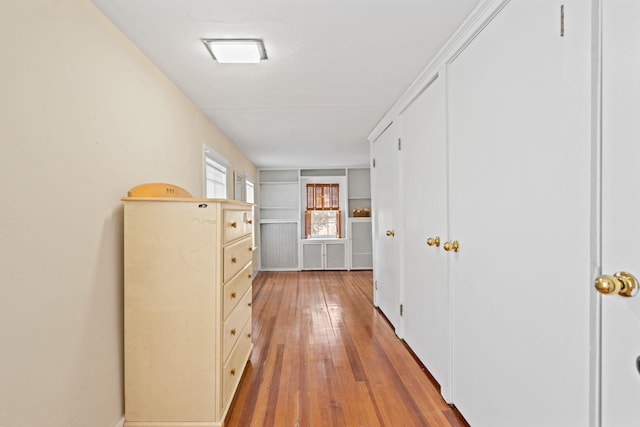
{"type": "Point", "coordinates": [427, 310]}
{"type": "Point", "coordinates": [620, 207]}
{"type": "Point", "coordinates": [386, 217]}
{"type": "Point", "coordinates": [520, 208]}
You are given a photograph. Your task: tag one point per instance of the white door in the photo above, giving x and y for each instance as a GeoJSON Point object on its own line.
{"type": "Point", "coordinates": [621, 210]}
{"type": "Point", "coordinates": [385, 212]}
{"type": "Point", "coordinates": [425, 297]}
{"type": "Point", "coordinates": [520, 209]}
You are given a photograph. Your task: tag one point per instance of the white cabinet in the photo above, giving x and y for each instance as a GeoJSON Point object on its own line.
{"type": "Point", "coordinates": [279, 210]}
{"type": "Point", "coordinates": [359, 187]}
{"type": "Point", "coordinates": [324, 254]}
{"type": "Point", "coordinates": [282, 201]}
{"type": "Point", "coordinates": [279, 198]}
{"type": "Point", "coordinates": [359, 229]}
{"type": "Point", "coordinates": [360, 244]}
{"type": "Point", "coordinates": [187, 309]}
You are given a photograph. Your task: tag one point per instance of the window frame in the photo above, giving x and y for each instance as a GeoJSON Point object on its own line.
{"type": "Point", "coordinates": [213, 160]}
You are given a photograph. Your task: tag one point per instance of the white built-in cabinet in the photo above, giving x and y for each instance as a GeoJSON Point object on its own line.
{"type": "Point", "coordinates": [490, 241]}
{"type": "Point", "coordinates": [359, 229]}
{"type": "Point", "coordinates": [320, 254]}
{"type": "Point", "coordinates": [281, 210]}
{"type": "Point", "coordinates": [187, 308]}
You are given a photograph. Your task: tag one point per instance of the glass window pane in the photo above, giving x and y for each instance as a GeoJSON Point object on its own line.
{"type": "Point", "coordinates": [324, 224]}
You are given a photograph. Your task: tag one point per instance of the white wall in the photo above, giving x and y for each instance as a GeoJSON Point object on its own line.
{"type": "Point", "coordinates": [84, 116]}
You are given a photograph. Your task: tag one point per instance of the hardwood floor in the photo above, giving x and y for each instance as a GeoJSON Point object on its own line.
{"type": "Point", "coordinates": [324, 356]}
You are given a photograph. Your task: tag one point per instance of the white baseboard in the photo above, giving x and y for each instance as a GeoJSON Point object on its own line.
{"type": "Point", "coordinates": [120, 423]}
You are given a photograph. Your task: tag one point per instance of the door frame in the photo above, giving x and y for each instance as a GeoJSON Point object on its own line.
{"type": "Point", "coordinates": [595, 301]}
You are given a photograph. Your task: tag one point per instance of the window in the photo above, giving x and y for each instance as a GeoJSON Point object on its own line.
{"type": "Point", "coordinates": [215, 174]}
{"type": "Point", "coordinates": [243, 189]}
{"type": "Point", "coordinates": [322, 215]}
{"type": "Point", "coordinates": [324, 224]}
{"type": "Point", "coordinates": [249, 195]}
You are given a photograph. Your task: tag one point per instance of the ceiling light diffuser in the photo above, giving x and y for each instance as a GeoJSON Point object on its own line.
{"type": "Point", "coordinates": [236, 51]}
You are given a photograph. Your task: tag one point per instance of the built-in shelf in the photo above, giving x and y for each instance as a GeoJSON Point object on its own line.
{"type": "Point", "coordinates": [359, 187]}
{"type": "Point", "coordinates": [281, 221]}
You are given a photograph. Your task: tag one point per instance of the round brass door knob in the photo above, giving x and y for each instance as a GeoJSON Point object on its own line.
{"type": "Point", "coordinates": [451, 246]}
{"type": "Point", "coordinates": [391, 233]}
{"type": "Point", "coordinates": [621, 283]}
{"type": "Point", "coordinates": [433, 241]}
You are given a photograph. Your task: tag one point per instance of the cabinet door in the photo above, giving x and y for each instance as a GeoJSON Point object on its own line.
{"type": "Point", "coordinates": [335, 256]}
{"type": "Point", "coordinates": [279, 246]}
{"type": "Point", "coordinates": [361, 245]}
{"type": "Point", "coordinates": [520, 207]}
{"type": "Point", "coordinates": [312, 256]}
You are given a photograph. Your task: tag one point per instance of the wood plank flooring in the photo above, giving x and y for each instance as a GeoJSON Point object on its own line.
{"type": "Point", "coordinates": [324, 356]}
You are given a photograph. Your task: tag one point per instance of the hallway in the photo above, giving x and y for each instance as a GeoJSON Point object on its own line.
{"type": "Point", "coordinates": [324, 356]}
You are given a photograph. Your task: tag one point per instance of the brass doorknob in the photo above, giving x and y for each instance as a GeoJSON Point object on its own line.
{"type": "Point", "coordinates": [390, 233]}
{"type": "Point", "coordinates": [621, 283]}
{"type": "Point", "coordinates": [451, 246]}
{"type": "Point", "coordinates": [433, 241]}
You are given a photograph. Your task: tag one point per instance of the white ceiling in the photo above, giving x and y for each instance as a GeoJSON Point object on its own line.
{"type": "Point", "coordinates": [334, 68]}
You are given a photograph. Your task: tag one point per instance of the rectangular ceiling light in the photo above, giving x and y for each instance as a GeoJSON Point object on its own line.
{"type": "Point", "coordinates": [236, 51]}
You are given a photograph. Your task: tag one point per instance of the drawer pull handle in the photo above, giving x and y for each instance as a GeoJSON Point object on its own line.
{"type": "Point", "coordinates": [249, 221]}
{"type": "Point", "coordinates": [249, 275]}
{"type": "Point", "coordinates": [233, 295]}
{"type": "Point", "coordinates": [234, 260]}
{"type": "Point", "coordinates": [232, 372]}
{"type": "Point", "coordinates": [250, 249]}
{"type": "Point", "coordinates": [249, 304]}
{"type": "Point", "coordinates": [233, 331]}
{"type": "Point", "coordinates": [249, 335]}
{"type": "Point", "coordinates": [233, 224]}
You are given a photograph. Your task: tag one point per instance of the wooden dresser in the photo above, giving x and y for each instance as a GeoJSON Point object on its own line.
{"type": "Point", "coordinates": [187, 308]}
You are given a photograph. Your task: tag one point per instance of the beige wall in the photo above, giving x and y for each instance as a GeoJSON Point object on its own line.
{"type": "Point", "coordinates": [84, 116]}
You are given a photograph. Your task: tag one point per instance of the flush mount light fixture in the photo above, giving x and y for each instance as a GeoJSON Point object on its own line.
{"type": "Point", "coordinates": [236, 51]}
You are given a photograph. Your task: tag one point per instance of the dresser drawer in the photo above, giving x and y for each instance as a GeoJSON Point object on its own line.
{"type": "Point", "coordinates": [235, 289]}
{"type": "Point", "coordinates": [232, 370]}
{"type": "Point", "coordinates": [235, 258]}
{"type": "Point", "coordinates": [235, 224]}
{"type": "Point", "coordinates": [234, 324]}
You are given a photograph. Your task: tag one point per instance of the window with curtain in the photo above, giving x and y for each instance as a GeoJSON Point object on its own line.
{"type": "Point", "coordinates": [322, 214]}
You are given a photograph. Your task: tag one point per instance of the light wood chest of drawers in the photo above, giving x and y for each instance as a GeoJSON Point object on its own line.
{"type": "Point", "coordinates": [187, 309]}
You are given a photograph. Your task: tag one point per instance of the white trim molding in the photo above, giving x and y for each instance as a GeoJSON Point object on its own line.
{"type": "Point", "coordinates": [475, 22]}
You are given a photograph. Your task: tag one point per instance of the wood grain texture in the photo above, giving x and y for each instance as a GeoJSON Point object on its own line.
{"type": "Point", "coordinates": [324, 356]}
